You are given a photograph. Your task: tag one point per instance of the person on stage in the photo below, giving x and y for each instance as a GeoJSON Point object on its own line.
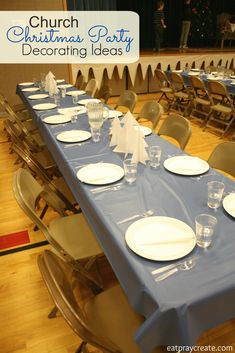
{"type": "Point", "coordinates": [159, 24]}
{"type": "Point", "coordinates": [186, 23]}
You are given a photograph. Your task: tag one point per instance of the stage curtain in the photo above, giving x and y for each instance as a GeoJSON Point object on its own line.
{"type": "Point", "coordinates": [91, 5]}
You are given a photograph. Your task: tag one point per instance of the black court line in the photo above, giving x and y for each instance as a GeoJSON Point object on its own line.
{"type": "Point", "coordinates": [22, 248]}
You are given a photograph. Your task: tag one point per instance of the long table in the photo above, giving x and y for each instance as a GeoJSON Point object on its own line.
{"type": "Point", "coordinates": [178, 309]}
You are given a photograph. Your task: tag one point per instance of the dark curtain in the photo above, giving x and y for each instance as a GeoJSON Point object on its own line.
{"type": "Point", "coordinates": [91, 5]}
{"type": "Point", "coordinates": [145, 8]}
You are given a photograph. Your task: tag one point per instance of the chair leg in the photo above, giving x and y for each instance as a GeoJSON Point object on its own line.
{"type": "Point", "coordinates": [41, 216]}
{"type": "Point", "coordinates": [82, 348]}
{"type": "Point", "coordinates": [52, 313]}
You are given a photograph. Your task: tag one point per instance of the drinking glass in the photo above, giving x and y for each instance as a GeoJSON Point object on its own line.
{"type": "Point", "coordinates": [74, 117]}
{"type": "Point", "coordinates": [130, 169]}
{"type": "Point", "coordinates": [57, 99]}
{"type": "Point", "coordinates": [95, 134]}
{"type": "Point", "coordinates": [75, 99]}
{"type": "Point", "coordinates": [63, 92]}
{"type": "Point", "coordinates": [42, 81]}
{"type": "Point", "coordinates": [155, 156]}
{"type": "Point", "coordinates": [205, 226]}
{"type": "Point", "coordinates": [215, 193]}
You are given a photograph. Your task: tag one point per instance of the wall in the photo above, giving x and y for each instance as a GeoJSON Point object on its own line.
{"type": "Point", "coordinates": [12, 73]}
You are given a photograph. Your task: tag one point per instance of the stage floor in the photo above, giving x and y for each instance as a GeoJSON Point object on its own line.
{"type": "Point", "coordinates": [188, 51]}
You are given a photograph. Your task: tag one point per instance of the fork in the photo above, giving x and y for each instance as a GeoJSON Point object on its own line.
{"type": "Point", "coordinates": [143, 215]}
{"type": "Point", "coordinates": [111, 188]}
{"type": "Point", "coordinates": [202, 176]}
{"type": "Point", "coordinates": [76, 144]}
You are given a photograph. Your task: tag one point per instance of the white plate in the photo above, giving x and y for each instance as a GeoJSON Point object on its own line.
{"type": "Point", "coordinates": [232, 83]}
{"type": "Point", "coordinates": [232, 76]}
{"type": "Point", "coordinates": [67, 85]}
{"type": "Point", "coordinates": [76, 93]}
{"type": "Point", "coordinates": [57, 119]}
{"type": "Point", "coordinates": [86, 101]}
{"type": "Point", "coordinates": [100, 173]}
{"type": "Point", "coordinates": [186, 165]}
{"type": "Point", "coordinates": [146, 130]}
{"type": "Point", "coordinates": [44, 106]}
{"type": "Point", "coordinates": [160, 238]}
{"type": "Point", "coordinates": [73, 136]}
{"type": "Point", "coordinates": [229, 204]}
{"type": "Point", "coordinates": [114, 114]}
{"type": "Point", "coordinates": [212, 78]}
{"type": "Point", "coordinates": [60, 80]}
{"type": "Point", "coordinates": [26, 83]}
{"type": "Point", "coordinates": [196, 70]}
{"type": "Point", "coordinates": [194, 73]}
{"type": "Point", "coordinates": [177, 71]}
{"type": "Point", "coordinates": [32, 89]}
{"type": "Point", "coordinates": [38, 96]}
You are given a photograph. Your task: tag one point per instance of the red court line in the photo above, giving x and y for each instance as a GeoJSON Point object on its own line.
{"type": "Point", "coordinates": [14, 239]}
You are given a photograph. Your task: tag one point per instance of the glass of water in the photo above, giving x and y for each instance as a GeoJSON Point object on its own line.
{"type": "Point", "coordinates": [130, 169]}
{"type": "Point", "coordinates": [155, 156]}
{"type": "Point", "coordinates": [205, 226]}
{"type": "Point", "coordinates": [215, 193]}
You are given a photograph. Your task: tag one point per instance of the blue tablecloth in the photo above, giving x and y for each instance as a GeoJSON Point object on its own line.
{"type": "Point", "coordinates": [226, 82]}
{"type": "Point", "coordinates": [180, 308]}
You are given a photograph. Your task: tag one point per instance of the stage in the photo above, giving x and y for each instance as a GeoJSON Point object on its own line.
{"type": "Point", "coordinates": [139, 76]}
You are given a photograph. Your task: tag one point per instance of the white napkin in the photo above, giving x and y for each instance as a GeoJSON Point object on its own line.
{"type": "Point", "coordinates": [124, 140]}
{"type": "Point", "coordinates": [139, 148]}
{"type": "Point", "coordinates": [115, 131]}
{"type": "Point", "coordinates": [50, 84]}
{"type": "Point", "coordinates": [128, 118]}
{"type": "Point", "coordinates": [130, 139]}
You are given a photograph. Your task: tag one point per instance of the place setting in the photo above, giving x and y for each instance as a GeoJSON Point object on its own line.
{"type": "Point", "coordinates": [186, 165]}
{"type": "Point", "coordinates": [76, 93]}
{"type": "Point", "coordinates": [100, 173]}
{"type": "Point", "coordinates": [44, 106]}
{"type": "Point", "coordinates": [73, 136]}
{"type": "Point", "coordinates": [26, 84]}
{"type": "Point", "coordinates": [56, 119]}
{"type": "Point", "coordinates": [31, 89]}
{"type": "Point", "coordinates": [38, 96]}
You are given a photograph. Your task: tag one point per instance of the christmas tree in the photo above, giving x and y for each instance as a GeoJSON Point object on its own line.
{"type": "Point", "coordinates": [202, 22]}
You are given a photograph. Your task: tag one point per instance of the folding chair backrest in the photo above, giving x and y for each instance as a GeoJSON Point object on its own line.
{"type": "Point", "coordinates": [91, 87]}
{"type": "Point", "coordinates": [177, 127]}
{"type": "Point", "coordinates": [80, 82]}
{"type": "Point", "coordinates": [223, 157]}
{"type": "Point", "coordinates": [161, 78]}
{"type": "Point", "coordinates": [177, 81]}
{"type": "Point", "coordinates": [27, 193]}
{"type": "Point", "coordinates": [127, 99]}
{"type": "Point", "coordinates": [104, 93]}
{"type": "Point", "coordinates": [151, 111]}
{"type": "Point", "coordinates": [216, 87]}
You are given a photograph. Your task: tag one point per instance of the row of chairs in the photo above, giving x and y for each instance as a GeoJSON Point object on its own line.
{"type": "Point", "coordinates": [100, 321]}
{"type": "Point", "coordinates": [212, 105]}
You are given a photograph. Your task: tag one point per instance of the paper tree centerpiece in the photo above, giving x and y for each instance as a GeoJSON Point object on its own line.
{"type": "Point", "coordinates": [50, 84]}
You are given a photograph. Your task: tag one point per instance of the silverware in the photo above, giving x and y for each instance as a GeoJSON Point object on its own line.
{"type": "Point", "coordinates": [145, 214]}
{"type": "Point", "coordinates": [169, 267]}
{"type": "Point", "coordinates": [76, 144]}
{"type": "Point", "coordinates": [202, 176]}
{"type": "Point", "coordinates": [184, 266]}
{"type": "Point", "coordinates": [111, 188]}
